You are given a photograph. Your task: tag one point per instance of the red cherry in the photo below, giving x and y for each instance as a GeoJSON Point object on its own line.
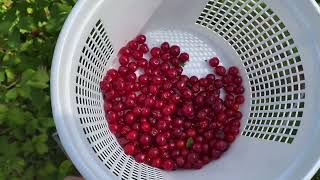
{"type": "Point", "coordinates": [156, 162]}
{"type": "Point", "coordinates": [215, 154]}
{"type": "Point", "coordinates": [165, 46]}
{"type": "Point", "coordinates": [130, 118]}
{"type": "Point", "coordinates": [239, 99]}
{"type": "Point", "coordinates": [123, 60]}
{"type": "Point", "coordinates": [129, 149]}
{"type": "Point", "coordinates": [132, 66]}
{"type": "Point", "coordinates": [141, 39]}
{"type": "Point", "coordinates": [144, 48]}
{"type": "Point", "coordinates": [154, 62]}
{"type": "Point", "coordinates": [174, 50]}
{"type": "Point", "coordinates": [143, 63]}
{"type": "Point", "coordinates": [145, 112]}
{"type": "Point", "coordinates": [125, 51]}
{"type": "Point", "coordinates": [112, 117]}
{"type": "Point", "coordinates": [161, 139]}
{"type": "Point", "coordinates": [132, 135]}
{"type": "Point", "coordinates": [220, 70]}
{"type": "Point", "coordinates": [137, 55]}
{"type": "Point", "coordinates": [153, 152]}
{"type": "Point", "coordinates": [140, 158]}
{"type": "Point", "coordinates": [133, 45]}
{"type": "Point", "coordinates": [184, 57]}
{"type": "Point", "coordinates": [237, 80]}
{"type": "Point", "coordinates": [214, 62]}
{"type": "Point", "coordinates": [145, 126]}
{"type": "Point", "coordinates": [221, 145]}
{"type": "Point", "coordinates": [191, 133]}
{"type": "Point", "coordinates": [233, 71]}
{"type": "Point", "coordinates": [155, 52]}
{"type": "Point", "coordinates": [145, 139]}
{"type": "Point", "coordinates": [168, 164]}
{"type": "Point", "coordinates": [165, 57]}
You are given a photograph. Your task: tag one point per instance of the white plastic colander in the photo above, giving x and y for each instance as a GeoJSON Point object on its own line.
{"type": "Point", "coordinates": [275, 42]}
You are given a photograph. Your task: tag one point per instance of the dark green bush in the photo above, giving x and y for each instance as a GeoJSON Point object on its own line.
{"type": "Point", "coordinates": [28, 32]}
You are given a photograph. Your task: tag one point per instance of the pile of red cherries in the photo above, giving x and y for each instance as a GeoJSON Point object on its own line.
{"type": "Point", "coordinates": [164, 118]}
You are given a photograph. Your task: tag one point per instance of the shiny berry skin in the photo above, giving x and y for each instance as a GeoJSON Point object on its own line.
{"type": "Point", "coordinates": [155, 52]}
{"type": "Point", "coordinates": [215, 154]}
{"type": "Point", "coordinates": [129, 149]}
{"type": "Point", "coordinates": [133, 45]}
{"type": "Point", "coordinates": [233, 70]}
{"type": "Point", "coordinates": [237, 80]}
{"type": "Point", "coordinates": [132, 66]}
{"type": "Point", "coordinates": [174, 50]}
{"type": "Point", "coordinates": [165, 46]}
{"type": "Point", "coordinates": [153, 152]}
{"type": "Point", "coordinates": [145, 139]}
{"type": "Point", "coordinates": [214, 62]}
{"type": "Point", "coordinates": [188, 110]}
{"type": "Point", "coordinates": [239, 99]}
{"type": "Point", "coordinates": [146, 126]}
{"type": "Point", "coordinates": [154, 62]}
{"type": "Point", "coordinates": [157, 162]}
{"type": "Point", "coordinates": [144, 48]}
{"type": "Point", "coordinates": [132, 135]}
{"type": "Point", "coordinates": [137, 55]}
{"type": "Point", "coordinates": [168, 164]}
{"type": "Point", "coordinates": [123, 60]}
{"type": "Point", "coordinates": [197, 147]}
{"type": "Point", "coordinates": [141, 39]}
{"type": "Point", "coordinates": [165, 57]}
{"type": "Point", "coordinates": [180, 161]}
{"type": "Point", "coordinates": [220, 70]}
{"type": "Point", "coordinates": [130, 118]}
{"type": "Point", "coordinates": [221, 145]}
{"type": "Point", "coordinates": [161, 139]}
{"type": "Point", "coordinates": [140, 158]}
{"type": "Point", "coordinates": [184, 57]}
{"type": "Point", "coordinates": [112, 117]}
{"type": "Point", "coordinates": [125, 51]}
{"type": "Point", "coordinates": [145, 112]}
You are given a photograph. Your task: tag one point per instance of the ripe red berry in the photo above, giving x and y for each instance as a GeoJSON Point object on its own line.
{"type": "Point", "coordinates": [144, 48]}
{"type": "Point", "coordinates": [220, 70]}
{"type": "Point", "coordinates": [233, 71]}
{"type": "Point", "coordinates": [123, 60]}
{"type": "Point", "coordinates": [155, 52]}
{"type": "Point", "coordinates": [168, 164]}
{"type": "Point", "coordinates": [184, 57]}
{"type": "Point", "coordinates": [132, 135]}
{"type": "Point", "coordinates": [165, 46]}
{"type": "Point", "coordinates": [133, 45]}
{"type": "Point", "coordinates": [214, 62]}
{"type": "Point", "coordinates": [239, 99]}
{"type": "Point", "coordinates": [140, 158]}
{"type": "Point", "coordinates": [141, 39]}
{"type": "Point", "coordinates": [129, 149]}
{"type": "Point", "coordinates": [174, 50]}
{"type": "Point", "coordinates": [145, 139]}
{"type": "Point", "coordinates": [161, 139]}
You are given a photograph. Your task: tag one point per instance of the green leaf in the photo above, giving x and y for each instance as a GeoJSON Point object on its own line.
{"type": "Point", "coordinates": [11, 94]}
{"type": "Point", "coordinates": [64, 168]}
{"type": "Point", "coordinates": [41, 148]}
{"type": "Point", "coordinates": [27, 74]}
{"type": "Point", "coordinates": [4, 27]}
{"type": "Point", "coordinates": [2, 76]}
{"type": "Point", "coordinates": [189, 142]}
{"type": "Point", "coordinates": [14, 38]}
{"type": "Point", "coordinates": [10, 74]}
{"type": "Point", "coordinates": [3, 109]}
{"type": "Point", "coordinates": [16, 116]}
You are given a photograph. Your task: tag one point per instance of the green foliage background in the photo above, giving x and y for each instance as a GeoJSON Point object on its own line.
{"type": "Point", "coordinates": [28, 33]}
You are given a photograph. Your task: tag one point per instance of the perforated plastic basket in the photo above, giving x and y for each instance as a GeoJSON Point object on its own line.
{"type": "Point", "coordinates": [275, 42]}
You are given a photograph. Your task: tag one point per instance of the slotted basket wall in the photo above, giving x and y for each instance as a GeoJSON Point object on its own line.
{"type": "Point", "coordinates": [275, 43]}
